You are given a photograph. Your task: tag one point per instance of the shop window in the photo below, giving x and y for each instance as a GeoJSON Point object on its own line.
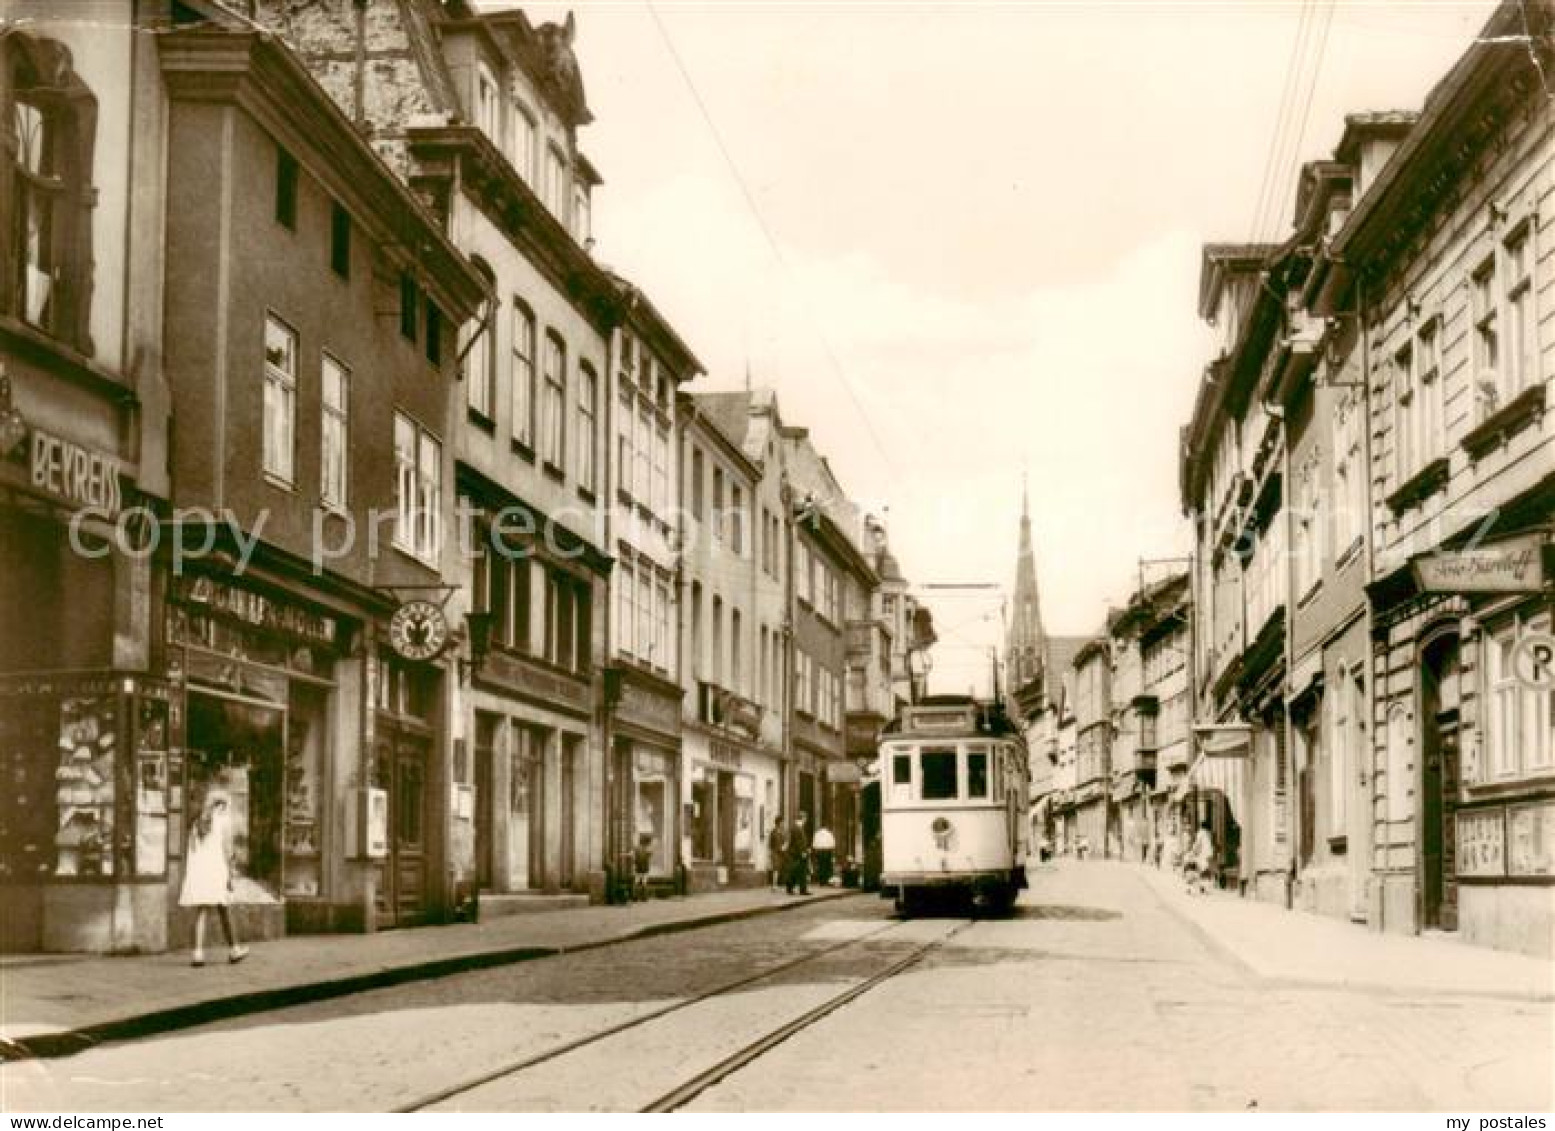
{"type": "Point", "coordinates": [305, 741]}
{"type": "Point", "coordinates": [938, 776]}
{"type": "Point", "coordinates": [1520, 717]}
{"type": "Point", "coordinates": [237, 747]}
{"type": "Point", "coordinates": [47, 197]}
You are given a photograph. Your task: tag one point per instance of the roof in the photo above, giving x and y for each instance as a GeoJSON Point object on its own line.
{"type": "Point", "coordinates": [1061, 651]}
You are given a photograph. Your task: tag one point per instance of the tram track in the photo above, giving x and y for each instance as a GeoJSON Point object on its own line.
{"type": "Point", "coordinates": [747, 1053]}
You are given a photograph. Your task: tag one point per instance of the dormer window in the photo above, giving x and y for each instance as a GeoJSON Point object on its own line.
{"type": "Point", "coordinates": [526, 143]}
{"type": "Point", "coordinates": [558, 183]}
{"type": "Point", "coordinates": [46, 199]}
{"type": "Point", "coordinates": [488, 109]}
{"type": "Point", "coordinates": [581, 220]}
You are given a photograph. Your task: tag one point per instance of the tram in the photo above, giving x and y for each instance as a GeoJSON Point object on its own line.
{"type": "Point", "coordinates": [953, 795]}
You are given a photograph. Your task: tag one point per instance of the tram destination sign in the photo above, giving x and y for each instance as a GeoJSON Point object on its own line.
{"type": "Point", "coordinates": [1513, 566]}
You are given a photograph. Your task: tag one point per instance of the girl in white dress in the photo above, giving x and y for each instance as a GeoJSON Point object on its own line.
{"type": "Point", "coordinates": [208, 874]}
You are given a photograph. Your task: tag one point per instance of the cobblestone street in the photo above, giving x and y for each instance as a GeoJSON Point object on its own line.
{"type": "Point", "coordinates": [1095, 995]}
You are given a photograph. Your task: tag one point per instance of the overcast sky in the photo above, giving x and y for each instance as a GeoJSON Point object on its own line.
{"type": "Point", "coordinates": [962, 242]}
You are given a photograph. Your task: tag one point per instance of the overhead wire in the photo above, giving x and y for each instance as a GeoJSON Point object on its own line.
{"type": "Point", "coordinates": [777, 252]}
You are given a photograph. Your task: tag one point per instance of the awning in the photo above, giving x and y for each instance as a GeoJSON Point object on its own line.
{"type": "Point", "coordinates": [1227, 776]}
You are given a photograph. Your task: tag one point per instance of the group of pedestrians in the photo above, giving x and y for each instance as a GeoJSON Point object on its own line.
{"type": "Point", "coordinates": [792, 851]}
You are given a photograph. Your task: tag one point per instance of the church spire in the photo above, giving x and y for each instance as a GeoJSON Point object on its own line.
{"type": "Point", "coordinates": [1024, 643]}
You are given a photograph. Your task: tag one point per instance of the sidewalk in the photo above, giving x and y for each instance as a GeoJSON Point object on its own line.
{"type": "Point", "coordinates": [1300, 948]}
{"type": "Point", "coordinates": [53, 1005]}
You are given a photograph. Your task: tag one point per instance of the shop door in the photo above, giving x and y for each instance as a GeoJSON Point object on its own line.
{"type": "Point", "coordinates": [1439, 769]}
{"type": "Point", "coordinates": [400, 768]}
{"type": "Point", "coordinates": [726, 820]}
{"type": "Point", "coordinates": [566, 859]}
{"type": "Point", "coordinates": [485, 801]}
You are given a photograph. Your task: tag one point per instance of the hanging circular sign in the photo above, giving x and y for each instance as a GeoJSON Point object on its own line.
{"type": "Point", "coordinates": [418, 630]}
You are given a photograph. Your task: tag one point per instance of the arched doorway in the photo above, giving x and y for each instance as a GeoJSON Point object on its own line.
{"type": "Point", "coordinates": [1439, 767]}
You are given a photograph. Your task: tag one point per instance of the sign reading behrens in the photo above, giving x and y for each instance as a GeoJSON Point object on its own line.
{"type": "Point", "coordinates": [78, 475]}
{"type": "Point", "coordinates": [1512, 566]}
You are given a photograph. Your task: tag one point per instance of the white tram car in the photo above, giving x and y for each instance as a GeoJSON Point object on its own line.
{"type": "Point", "coordinates": [953, 787]}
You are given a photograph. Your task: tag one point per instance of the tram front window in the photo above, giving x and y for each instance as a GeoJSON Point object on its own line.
{"type": "Point", "coordinates": [937, 773]}
{"type": "Point", "coordinates": [901, 777]}
{"type": "Point", "coordinates": [976, 774]}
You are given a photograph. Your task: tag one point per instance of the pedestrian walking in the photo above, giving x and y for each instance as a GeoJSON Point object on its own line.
{"type": "Point", "coordinates": [797, 855]}
{"type": "Point", "coordinates": [824, 846]}
{"type": "Point", "coordinates": [208, 874]}
{"type": "Point", "coordinates": [642, 863]}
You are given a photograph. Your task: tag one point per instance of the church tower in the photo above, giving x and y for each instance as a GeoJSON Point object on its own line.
{"type": "Point", "coordinates": [1024, 641]}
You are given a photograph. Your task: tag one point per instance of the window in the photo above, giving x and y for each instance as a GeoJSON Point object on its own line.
{"type": "Point", "coordinates": [285, 189]}
{"type": "Point", "coordinates": [938, 776]}
{"type": "Point", "coordinates": [581, 220]}
{"type": "Point", "coordinates": [488, 108]}
{"type": "Point", "coordinates": [567, 621]}
{"type": "Point", "coordinates": [1429, 382]}
{"type": "Point", "coordinates": [737, 519]}
{"type": "Point", "coordinates": [977, 773]}
{"type": "Point", "coordinates": [523, 375]}
{"type": "Point", "coordinates": [661, 471]}
{"type": "Point", "coordinates": [1406, 411]}
{"type": "Point", "coordinates": [558, 185]}
{"type": "Point", "coordinates": [280, 399]}
{"type": "Point", "coordinates": [664, 656]}
{"type": "Point", "coordinates": [418, 477]}
{"type": "Point", "coordinates": [736, 651]}
{"type": "Point", "coordinates": [553, 404]}
{"type": "Point", "coordinates": [336, 433]}
{"type": "Point", "coordinates": [648, 646]}
{"type": "Point", "coordinates": [1349, 488]}
{"type": "Point", "coordinates": [718, 504]}
{"type": "Point", "coordinates": [696, 483]}
{"type": "Point", "coordinates": [626, 607]}
{"type": "Point", "coordinates": [1518, 733]}
{"type": "Point", "coordinates": [1306, 531]}
{"type": "Point", "coordinates": [901, 777]}
{"type": "Point", "coordinates": [339, 240]}
{"type": "Point", "coordinates": [697, 655]}
{"type": "Point", "coordinates": [434, 342]}
{"type": "Point", "coordinates": [525, 143]}
{"type": "Point", "coordinates": [502, 589]}
{"type": "Point", "coordinates": [1522, 363]}
{"type": "Point", "coordinates": [763, 659]}
{"type": "Point", "coordinates": [802, 693]}
{"type": "Point", "coordinates": [717, 671]}
{"type": "Point", "coordinates": [47, 241]}
{"type": "Point", "coordinates": [588, 413]}
{"type": "Point", "coordinates": [410, 303]}
{"type": "Point", "coordinates": [642, 456]}
{"type": "Point", "coordinates": [480, 370]}
{"type": "Point", "coordinates": [1487, 338]}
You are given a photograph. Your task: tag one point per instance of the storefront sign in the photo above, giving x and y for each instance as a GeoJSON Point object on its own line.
{"type": "Point", "coordinates": [75, 474]}
{"type": "Point", "coordinates": [1513, 566]}
{"type": "Point", "coordinates": [723, 753]}
{"type": "Point", "coordinates": [647, 709]}
{"type": "Point", "coordinates": [1482, 843]}
{"type": "Point", "coordinates": [256, 609]}
{"type": "Point", "coordinates": [522, 677]}
{"type": "Point", "coordinates": [1531, 839]}
{"type": "Point", "coordinates": [418, 631]}
{"type": "Point", "coordinates": [843, 773]}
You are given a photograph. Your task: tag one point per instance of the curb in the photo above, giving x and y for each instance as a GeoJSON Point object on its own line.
{"type": "Point", "coordinates": [68, 1042]}
{"type": "Point", "coordinates": [1276, 980]}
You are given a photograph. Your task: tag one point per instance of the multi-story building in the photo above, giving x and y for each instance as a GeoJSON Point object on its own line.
{"type": "Point", "coordinates": [1090, 797]}
{"type": "Point", "coordinates": [480, 113]}
{"type": "Point", "coordinates": [733, 784]}
{"type": "Point", "coordinates": [827, 564]}
{"type": "Point", "coordinates": [84, 478]}
{"type": "Point", "coordinates": [1442, 268]}
{"type": "Point", "coordinates": [643, 694]}
{"type": "Point", "coordinates": [1149, 642]}
{"type": "Point", "coordinates": [1231, 485]}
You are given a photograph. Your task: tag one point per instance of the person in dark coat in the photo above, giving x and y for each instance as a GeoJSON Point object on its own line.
{"type": "Point", "coordinates": [798, 857]}
{"type": "Point", "coordinates": [777, 845]}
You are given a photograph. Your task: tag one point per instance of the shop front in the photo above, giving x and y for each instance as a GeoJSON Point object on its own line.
{"type": "Point", "coordinates": [732, 798]}
{"type": "Point", "coordinates": [268, 686]}
{"type": "Point", "coordinates": [1467, 750]}
{"type": "Point", "coordinates": [645, 730]}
